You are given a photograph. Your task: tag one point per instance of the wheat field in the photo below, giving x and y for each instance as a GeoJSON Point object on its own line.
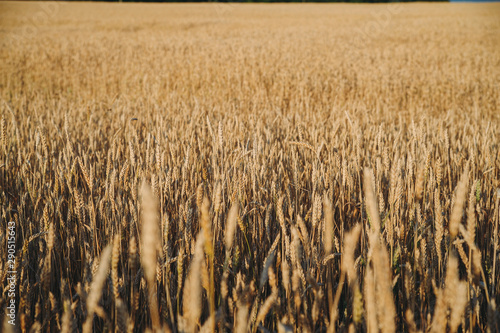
{"type": "Point", "coordinates": [250, 167]}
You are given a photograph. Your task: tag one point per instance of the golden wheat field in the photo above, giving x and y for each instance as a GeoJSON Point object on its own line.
{"type": "Point", "coordinates": [249, 167]}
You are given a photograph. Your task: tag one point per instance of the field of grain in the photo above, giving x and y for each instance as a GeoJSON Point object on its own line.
{"type": "Point", "coordinates": [250, 168]}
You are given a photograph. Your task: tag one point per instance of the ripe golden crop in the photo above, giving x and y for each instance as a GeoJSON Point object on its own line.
{"type": "Point", "coordinates": [250, 167]}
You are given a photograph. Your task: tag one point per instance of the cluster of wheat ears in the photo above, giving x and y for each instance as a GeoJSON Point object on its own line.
{"type": "Point", "coordinates": [197, 171]}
